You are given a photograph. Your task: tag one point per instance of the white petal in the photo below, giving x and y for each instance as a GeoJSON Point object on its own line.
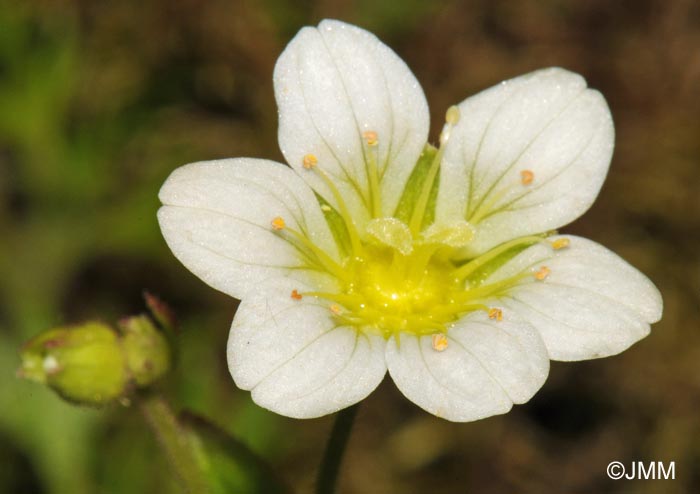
{"type": "Point", "coordinates": [295, 358]}
{"type": "Point", "coordinates": [334, 82]}
{"type": "Point", "coordinates": [592, 303]}
{"type": "Point", "coordinates": [487, 366]}
{"type": "Point", "coordinates": [547, 123]}
{"type": "Point", "coordinates": [217, 218]}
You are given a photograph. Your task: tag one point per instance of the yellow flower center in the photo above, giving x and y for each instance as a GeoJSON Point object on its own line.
{"type": "Point", "coordinates": [395, 288]}
{"type": "Point", "coordinates": [400, 274]}
{"type": "Point", "coordinates": [395, 293]}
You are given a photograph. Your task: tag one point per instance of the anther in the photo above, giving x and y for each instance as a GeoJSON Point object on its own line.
{"type": "Point", "coordinates": [496, 314]}
{"type": "Point", "coordinates": [560, 243]}
{"type": "Point", "coordinates": [278, 223]}
{"type": "Point", "coordinates": [296, 295]}
{"type": "Point", "coordinates": [526, 177]}
{"type": "Point", "coordinates": [439, 342]}
{"type": "Point", "coordinates": [452, 115]}
{"type": "Point", "coordinates": [451, 118]}
{"type": "Point", "coordinates": [335, 309]}
{"type": "Point", "coordinates": [371, 138]}
{"type": "Point", "coordinates": [325, 207]}
{"type": "Point", "coordinates": [542, 273]}
{"type": "Point", "coordinates": [309, 161]}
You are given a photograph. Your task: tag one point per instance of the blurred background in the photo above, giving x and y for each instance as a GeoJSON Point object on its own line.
{"type": "Point", "coordinates": [100, 101]}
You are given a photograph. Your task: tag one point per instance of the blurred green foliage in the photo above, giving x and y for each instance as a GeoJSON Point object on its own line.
{"type": "Point", "coordinates": [99, 101]}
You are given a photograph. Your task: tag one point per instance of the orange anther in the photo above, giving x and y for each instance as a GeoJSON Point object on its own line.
{"type": "Point", "coordinates": [335, 309]}
{"type": "Point", "coordinates": [278, 223]}
{"type": "Point", "coordinates": [542, 273]}
{"type": "Point", "coordinates": [526, 177]}
{"type": "Point", "coordinates": [309, 161]}
{"type": "Point", "coordinates": [560, 243]}
{"type": "Point", "coordinates": [296, 295]}
{"type": "Point", "coordinates": [370, 137]}
{"type": "Point", "coordinates": [439, 342]}
{"type": "Point", "coordinates": [496, 313]}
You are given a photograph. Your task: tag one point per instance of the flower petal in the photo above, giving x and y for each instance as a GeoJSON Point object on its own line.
{"type": "Point", "coordinates": [217, 218]}
{"type": "Point", "coordinates": [591, 304]}
{"type": "Point", "coordinates": [526, 156]}
{"type": "Point", "coordinates": [486, 367]}
{"type": "Point", "coordinates": [295, 357]}
{"type": "Point", "coordinates": [334, 83]}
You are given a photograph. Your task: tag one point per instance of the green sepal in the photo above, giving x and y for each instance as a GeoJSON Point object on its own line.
{"type": "Point", "coordinates": [337, 226]}
{"type": "Point", "coordinates": [84, 364]}
{"type": "Point", "coordinates": [414, 186]}
{"type": "Point", "coordinates": [146, 350]}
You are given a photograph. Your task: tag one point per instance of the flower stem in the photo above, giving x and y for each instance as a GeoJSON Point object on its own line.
{"type": "Point", "coordinates": [333, 456]}
{"type": "Point", "coordinates": [177, 443]}
{"type": "Point", "coordinates": [266, 479]}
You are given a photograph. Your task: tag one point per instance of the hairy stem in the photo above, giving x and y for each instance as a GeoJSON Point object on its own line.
{"type": "Point", "coordinates": [263, 474]}
{"type": "Point", "coordinates": [177, 443]}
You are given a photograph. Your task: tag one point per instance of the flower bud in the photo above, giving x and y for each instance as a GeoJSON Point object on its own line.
{"type": "Point", "coordinates": [146, 350]}
{"type": "Point", "coordinates": [84, 364]}
{"type": "Point", "coordinates": [93, 364]}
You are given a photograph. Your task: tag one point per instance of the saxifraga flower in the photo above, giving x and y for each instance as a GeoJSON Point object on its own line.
{"type": "Point", "coordinates": [376, 251]}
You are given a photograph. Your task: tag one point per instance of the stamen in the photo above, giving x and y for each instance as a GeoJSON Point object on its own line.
{"type": "Point", "coordinates": [370, 137]}
{"type": "Point", "coordinates": [335, 309]}
{"type": "Point", "coordinates": [278, 223]}
{"type": "Point", "coordinates": [439, 342]}
{"type": "Point", "coordinates": [452, 115]}
{"type": "Point", "coordinates": [560, 243]}
{"type": "Point", "coordinates": [496, 314]}
{"type": "Point", "coordinates": [372, 140]}
{"type": "Point", "coordinates": [326, 261]}
{"type": "Point", "coordinates": [489, 290]}
{"type": "Point", "coordinates": [326, 208]}
{"type": "Point", "coordinates": [542, 273]}
{"type": "Point", "coordinates": [342, 208]}
{"type": "Point", "coordinates": [464, 271]}
{"type": "Point", "coordinates": [451, 118]}
{"type": "Point", "coordinates": [348, 300]}
{"type": "Point", "coordinates": [310, 161]}
{"type": "Point", "coordinates": [421, 325]}
{"type": "Point", "coordinates": [487, 205]}
{"type": "Point", "coordinates": [456, 308]}
{"type": "Point", "coordinates": [296, 295]}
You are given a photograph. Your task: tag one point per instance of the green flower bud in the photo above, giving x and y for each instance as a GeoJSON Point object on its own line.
{"type": "Point", "coordinates": [92, 364]}
{"type": "Point", "coordinates": [84, 364]}
{"type": "Point", "coordinates": [146, 350]}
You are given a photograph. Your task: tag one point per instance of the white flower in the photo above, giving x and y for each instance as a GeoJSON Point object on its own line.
{"type": "Point", "coordinates": [375, 251]}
